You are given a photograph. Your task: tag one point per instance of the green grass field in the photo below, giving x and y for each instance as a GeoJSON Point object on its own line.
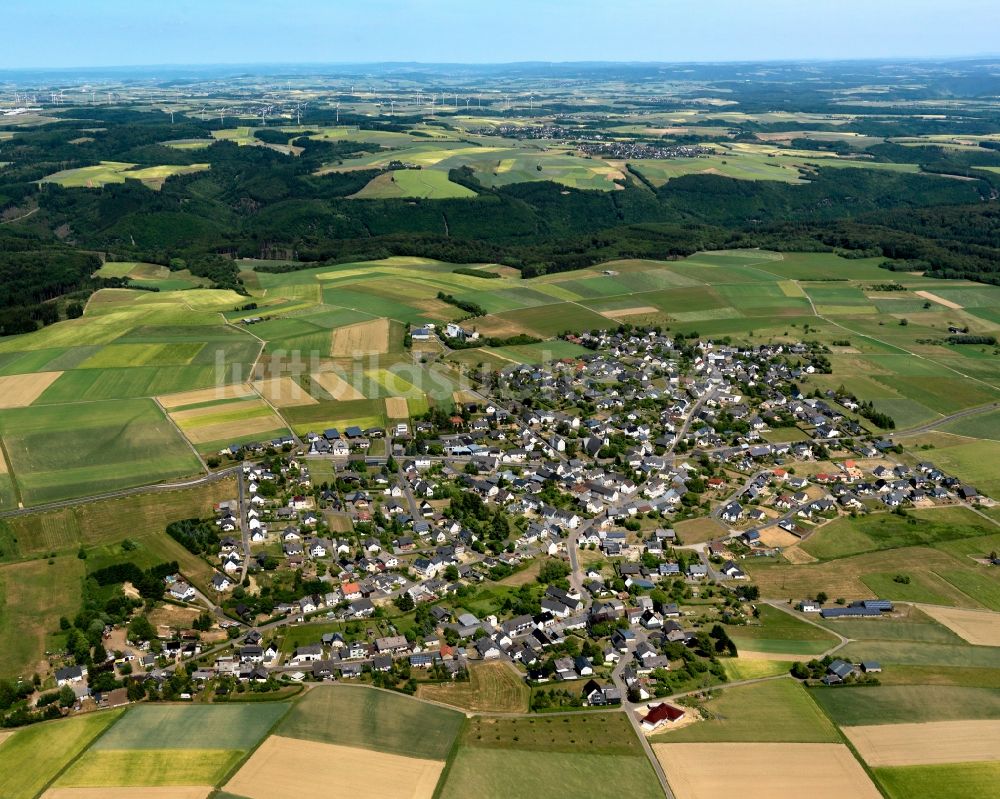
{"type": "Point", "coordinates": [135, 768]}
{"type": "Point", "coordinates": [851, 536]}
{"type": "Point", "coordinates": [424, 183]}
{"type": "Point", "coordinates": [551, 755]}
{"type": "Point", "coordinates": [778, 710]}
{"type": "Point", "coordinates": [520, 774]}
{"type": "Point", "coordinates": [57, 455]}
{"type": "Point", "coordinates": [780, 632]}
{"type": "Point", "coordinates": [165, 727]}
{"type": "Point", "coordinates": [94, 177]}
{"type": "Point", "coordinates": [34, 756]}
{"type": "Point", "coordinates": [952, 781]}
{"type": "Point", "coordinates": [33, 596]}
{"type": "Point", "coordinates": [898, 704]}
{"type": "Point", "coordinates": [373, 719]}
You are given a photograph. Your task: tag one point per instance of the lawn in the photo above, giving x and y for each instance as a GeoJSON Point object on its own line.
{"type": "Point", "coordinates": [373, 719]}
{"type": "Point", "coordinates": [33, 596]}
{"type": "Point", "coordinates": [35, 755]}
{"type": "Point", "coordinates": [781, 632]}
{"type": "Point", "coordinates": [166, 727]}
{"type": "Point", "coordinates": [773, 711]}
{"type": "Point", "coordinates": [491, 688]}
{"type": "Point", "coordinates": [898, 704]}
{"type": "Point", "coordinates": [952, 781]}
{"type": "Point", "coordinates": [59, 454]}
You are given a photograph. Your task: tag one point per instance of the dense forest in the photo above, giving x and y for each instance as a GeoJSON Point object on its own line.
{"type": "Point", "coordinates": [258, 202]}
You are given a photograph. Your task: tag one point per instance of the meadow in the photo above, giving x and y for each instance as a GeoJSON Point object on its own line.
{"type": "Point", "coordinates": [552, 755]}
{"type": "Point", "coordinates": [491, 688]}
{"type": "Point", "coordinates": [116, 444]}
{"type": "Point", "coordinates": [951, 781]}
{"type": "Point", "coordinates": [372, 719]}
{"type": "Point", "coordinates": [94, 177]}
{"type": "Point", "coordinates": [777, 710]}
{"type": "Point", "coordinates": [777, 631]}
{"type": "Point", "coordinates": [902, 704]}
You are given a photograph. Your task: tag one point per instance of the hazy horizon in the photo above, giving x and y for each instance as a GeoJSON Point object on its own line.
{"type": "Point", "coordinates": [106, 34]}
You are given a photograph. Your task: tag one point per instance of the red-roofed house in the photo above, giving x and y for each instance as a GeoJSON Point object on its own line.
{"type": "Point", "coordinates": [661, 714]}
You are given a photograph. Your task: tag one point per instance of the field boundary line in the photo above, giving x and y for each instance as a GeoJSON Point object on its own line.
{"type": "Point", "coordinates": [450, 760]}
{"type": "Point", "coordinates": [270, 731]}
{"type": "Point", "coordinates": [82, 752]}
{"type": "Point", "coordinates": [180, 432]}
{"type": "Point", "coordinates": [847, 742]}
{"type": "Point", "coordinates": [13, 476]}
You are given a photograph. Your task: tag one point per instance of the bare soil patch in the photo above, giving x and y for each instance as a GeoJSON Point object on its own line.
{"type": "Point", "coordinates": [797, 555]}
{"type": "Point", "coordinates": [396, 408]}
{"type": "Point", "coordinates": [170, 616]}
{"type": "Point", "coordinates": [979, 627]}
{"type": "Point", "coordinates": [283, 392]}
{"type": "Point", "coordinates": [215, 394]}
{"type": "Point", "coordinates": [939, 300]}
{"type": "Point", "coordinates": [364, 338]}
{"type": "Point", "coordinates": [336, 386]}
{"type": "Point", "coordinates": [5, 734]}
{"type": "Point", "coordinates": [284, 767]}
{"type": "Point", "coordinates": [776, 537]}
{"type": "Point", "coordinates": [764, 771]}
{"type": "Point", "coordinates": [928, 743]}
{"type": "Point", "coordinates": [162, 792]}
{"type": "Point", "coordinates": [19, 391]}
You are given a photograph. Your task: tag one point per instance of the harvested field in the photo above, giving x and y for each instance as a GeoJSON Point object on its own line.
{"type": "Point", "coordinates": [283, 392]}
{"type": "Point", "coordinates": [224, 431]}
{"type": "Point", "coordinates": [639, 310]}
{"type": "Point", "coordinates": [19, 391]}
{"type": "Point", "coordinates": [176, 792]}
{"type": "Point", "coordinates": [979, 627]}
{"type": "Point", "coordinates": [334, 385]}
{"type": "Point", "coordinates": [939, 300]}
{"type": "Point", "coordinates": [396, 408]}
{"type": "Point", "coordinates": [216, 394]}
{"type": "Point", "coordinates": [927, 743]}
{"type": "Point", "coordinates": [492, 688]}
{"type": "Point", "coordinates": [307, 765]}
{"type": "Point", "coordinates": [764, 771]}
{"type": "Point", "coordinates": [364, 338]}
{"type": "Point", "coordinates": [797, 555]}
{"type": "Point", "coordinates": [776, 537]}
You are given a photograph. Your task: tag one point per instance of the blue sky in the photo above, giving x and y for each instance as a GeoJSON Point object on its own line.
{"type": "Point", "coordinates": [65, 33]}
